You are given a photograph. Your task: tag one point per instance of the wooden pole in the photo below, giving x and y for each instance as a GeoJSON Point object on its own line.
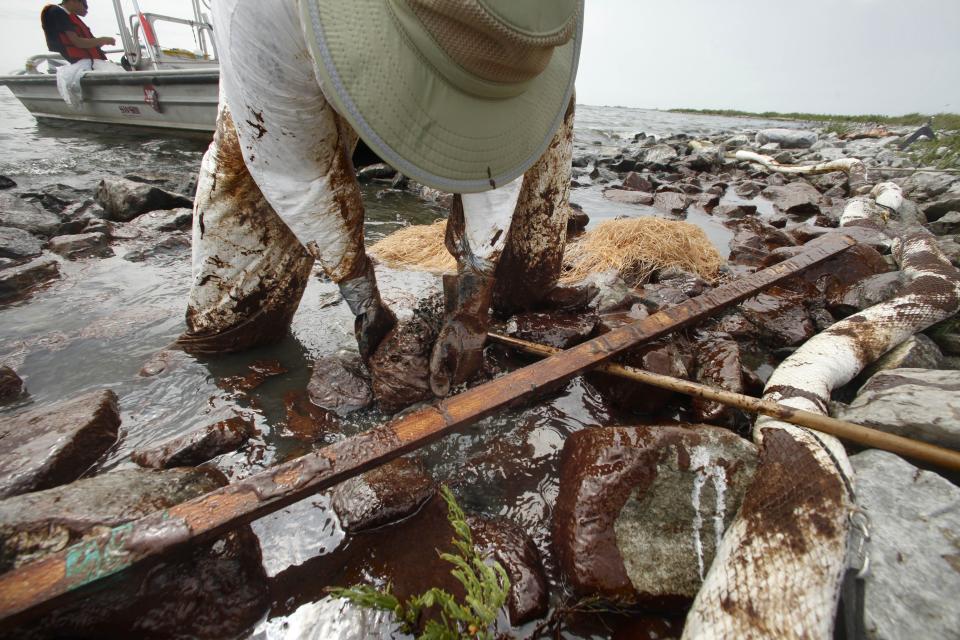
{"type": "Point", "coordinates": [939, 456]}
{"type": "Point", "coordinates": [38, 586]}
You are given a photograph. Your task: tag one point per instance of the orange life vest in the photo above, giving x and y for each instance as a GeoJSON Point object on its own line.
{"type": "Point", "coordinates": [65, 48]}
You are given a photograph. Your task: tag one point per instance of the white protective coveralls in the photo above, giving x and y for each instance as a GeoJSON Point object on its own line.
{"type": "Point", "coordinates": [280, 148]}
{"type": "Point", "coordinates": [70, 75]}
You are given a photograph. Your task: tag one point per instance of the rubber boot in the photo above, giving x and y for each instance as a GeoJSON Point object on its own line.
{"type": "Point", "coordinates": [458, 352]}
{"type": "Point", "coordinates": [374, 319]}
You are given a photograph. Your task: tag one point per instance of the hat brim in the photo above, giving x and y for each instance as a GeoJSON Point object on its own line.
{"type": "Point", "coordinates": [416, 120]}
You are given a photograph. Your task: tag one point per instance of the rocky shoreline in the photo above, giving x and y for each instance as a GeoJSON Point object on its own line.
{"type": "Point", "coordinates": [637, 510]}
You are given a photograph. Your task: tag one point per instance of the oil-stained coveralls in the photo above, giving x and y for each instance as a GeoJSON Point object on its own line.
{"type": "Point", "coordinates": [277, 190]}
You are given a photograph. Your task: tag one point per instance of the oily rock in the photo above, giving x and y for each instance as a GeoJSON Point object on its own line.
{"type": "Point", "coordinates": [938, 208]}
{"type": "Point", "coordinates": [198, 446]}
{"type": "Point", "coordinates": [400, 367]}
{"type": "Point", "coordinates": [794, 198]}
{"type": "Point", "coordinates": [947, 335]}
{"type": "Point", "coordinates": [20, 214]}
{"type": "Point", "coordinates": [914, 549]}
{"type": "Point", "coordinates": [949, 224]}
{"type": "Point", "coordinates": [950, 247]}
{"type": "Point", "coordinates": [836, 276]}
{"type": "Point", "coordinates": [43, 448]}
{"type": "Point", "coordinates": [17, 281]}
{"type": "Point", "coordinates": [787, 138]}
{"type": "Point", "coordinates": [558, 330]}
{"type": "Point", "coordinates": [507, 543]}
{"type": "Point", "coordinates": [916, 352]}
{"type": "Point", "coordinates": [638, 182]}
{"type": "Point", "coordinates": [183, 183]}
{"type": "Point", "coordinates": [18, 244]}
{"type": "Point", "coordinates": [718, 366]}
{"type": "Point", "coordinates": [924, 186]}
{"type": "Point", "coordinates": [748, 188]}
{"type": "Point", "coordinates": [57, 197]}
{"type": "Point", "coordinates": [214, 590]}
{"type": "Point", "coordinates": [689, 283]}
{"type": "Point", "coordinates": [781, 317]}
{"type": "Point", "coordinates": [11, 386]}
{"type": "Point", "coordinates": [164, 220]}
{"type": "Point", "coordinates": [338, 384]}
{"type": "Point", "coordinates": [577, 220]}
{"type": "Point", "coordinates": [916, 403]}
{"type": "Point", "coordinates": [659, 156]}
{"type": "Point", "coordinates": [625, 196]}
{"type": "Point", "coordinates": [658, 356]}
{"type": "Point", "coordinates": [123, 200]}
{"type": "Point", "coordinates": [43, 522]}
{"type": "Point", "coordinates": [641, 509]}
{"type": "Point", "coordinates": [613, 294]}
{"type": "Point", "coordinates": [672, 202]}
{"type": "Point", "coordinates": [83, 245]}
{"type": "Point", "coordinates": [735, 210]}
{"type": "Point", "coordinates": [870, 291]}
{"type": "Point", "coordinates": [388, 493]}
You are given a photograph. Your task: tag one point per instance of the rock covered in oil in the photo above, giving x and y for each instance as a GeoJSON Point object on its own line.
{"type": "Point", "coordinates": [388, 493]}
{"type": "Point", "coordinates": [338, 384]}
{"type": "Point", "coordinates": [641, 509]}
{"type": "Point", "coordinates": [214, 590]}
{"type": "Point", "coordinates": [43, 448]}
{"type": "Point", "coordinates": [198, 446]}
{"type": "Point", "coordinates": [11, 386]}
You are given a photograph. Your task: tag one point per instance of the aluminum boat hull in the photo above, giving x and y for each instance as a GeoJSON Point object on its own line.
{"type": "Point", "coordinates": [169, 99]}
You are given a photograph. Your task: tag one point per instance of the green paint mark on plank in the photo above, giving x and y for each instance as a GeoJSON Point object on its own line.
{"type": "Point", "coordinates": [94, 559]}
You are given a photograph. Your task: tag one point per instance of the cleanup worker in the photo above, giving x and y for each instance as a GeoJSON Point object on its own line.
{"type": "Point", "coordinates": [68, 35]}
{"type": "Point", "coordinates": [460, 95]}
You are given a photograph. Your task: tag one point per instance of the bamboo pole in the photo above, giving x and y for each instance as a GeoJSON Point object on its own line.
{"type": "Point", "coordinates": [59, 577]}
{"type": "Point", "coordinates": [859, 434]}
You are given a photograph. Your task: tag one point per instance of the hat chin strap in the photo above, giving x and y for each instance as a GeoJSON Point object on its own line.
{"type": "Point", "coordinates": [455, 74]}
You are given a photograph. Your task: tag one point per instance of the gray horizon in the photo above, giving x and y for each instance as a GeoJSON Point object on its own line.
{"type": "Point", "coordinates": [847, 58]}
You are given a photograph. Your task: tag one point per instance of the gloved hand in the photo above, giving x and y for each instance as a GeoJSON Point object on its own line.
{"type": "Point", "coordinates": [458, 352]}
{"type": "Point", "coordinates": [372, 326]}
{"type": "Point", "coordinates": [374, 319]}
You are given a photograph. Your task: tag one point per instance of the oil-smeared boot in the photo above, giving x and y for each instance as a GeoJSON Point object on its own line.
{"type": "Point", "coordinates": [458, 352]}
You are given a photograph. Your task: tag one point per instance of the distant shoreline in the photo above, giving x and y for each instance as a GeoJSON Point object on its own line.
{"type": "Point", "coordinates": [944, 121]}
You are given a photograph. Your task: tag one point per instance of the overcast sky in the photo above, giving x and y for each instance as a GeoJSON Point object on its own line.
{"type": "Point", "coordinates": [823, 56]}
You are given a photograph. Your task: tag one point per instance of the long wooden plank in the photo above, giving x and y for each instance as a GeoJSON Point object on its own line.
{"type": "Point", "coordinates": [41, 585]}
{"type": "Point", "coordinates": [849, 431]}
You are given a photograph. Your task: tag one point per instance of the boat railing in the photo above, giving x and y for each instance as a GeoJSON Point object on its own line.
{"type": "Point", "coordinates": [53, 60]}
{"type": "Point", "coordinates": [158, 55]}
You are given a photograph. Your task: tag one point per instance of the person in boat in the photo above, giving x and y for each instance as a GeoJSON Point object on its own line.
{"type": "Point", "coordinates": [68, 35]}
{"type": "Point", "coordinates": [460, 95]}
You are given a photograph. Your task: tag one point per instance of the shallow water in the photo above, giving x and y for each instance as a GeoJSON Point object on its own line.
{"type": "Point", "coordinates": [96, 327]}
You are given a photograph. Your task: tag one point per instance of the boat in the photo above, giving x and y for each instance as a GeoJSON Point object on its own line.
{"type": "Point", "coordinates": [163, 88]}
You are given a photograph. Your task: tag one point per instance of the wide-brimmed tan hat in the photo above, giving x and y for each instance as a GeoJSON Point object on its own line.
{"type": "Point", "coordinates": [460, 95]}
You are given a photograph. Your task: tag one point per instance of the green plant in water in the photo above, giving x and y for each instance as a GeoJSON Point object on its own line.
{"type": "Point", "coordinates": [486, 585]}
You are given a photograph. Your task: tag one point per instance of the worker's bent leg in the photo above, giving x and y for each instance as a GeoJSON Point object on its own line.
{"type": "Point", "coordinates": [249, 270]}
{"type": "Point", "coordinates": [476, 234]}
{"type": "Point", "coordinates": [533, 257]}
{"type": "Point", "coordinates": [297, 148]}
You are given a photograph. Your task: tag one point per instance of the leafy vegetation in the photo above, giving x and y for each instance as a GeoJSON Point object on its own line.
{"type": "Point", "coordinates": [486, 585]}
{"type": "Point", "coordinates": [942, 153]}
{"type": "Point", "coordinates": [940, 121]}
